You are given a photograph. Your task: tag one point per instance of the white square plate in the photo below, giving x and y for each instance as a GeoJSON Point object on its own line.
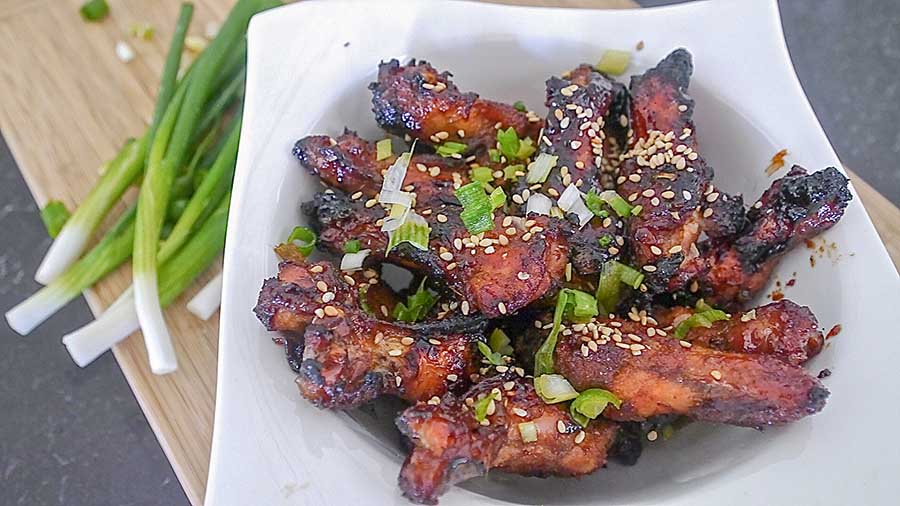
{"type": "Point", "coordinates": [309, 64]}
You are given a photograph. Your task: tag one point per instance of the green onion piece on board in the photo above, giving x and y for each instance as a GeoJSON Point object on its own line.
{"type": "Point", "coordinates": [590, 403]}
{"type": "Point", "coordinates": [94, 10]}
{"type": "Point", "coordinates": [352, 246]}
{"type": "Point", "coordinates": [614, 62]}
{"type": "Point", "coordinates": [451, 148]}
{"type": "Point", "coordinates": [553, 388]}
{"type": "Point", "coordinates": [383, 150]}
{"type": "Point", "coordinates": [417, 305]}
{"type": "Point", "coordinates": [54, 215]}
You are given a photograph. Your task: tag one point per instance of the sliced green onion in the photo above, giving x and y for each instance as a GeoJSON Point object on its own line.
{"type": "Point", "coordinates": [528, 431]}
{"type": "Point", "coordinates": [492, 356]}
{"type": "Point", "coordinates": [612, 275]}
{"type": "Point", "coordinates": [94, 10]}
{"type": "Point", "coordinates": [481, 407]}
{"type": "Point", "coordinates": [539, 203]}
{"type": "Point", "coordinates": [451, 148]}
{"type": "Point", "coordinates": [500, 342]}
{"type": "Point", "coordinates": [619, 205]}
{"type": "Point", "coordinates": [354, 261]}
{"type": "Point", "coordinates": [636, 210]}
{"type": "Point", "coordinates": [614, 62]}
{"type": "Point", "coordinates": [414, 230]}
{"type": "Point", "coordinates": [54, 215]}
{"type": "Point", "coordinates": [142, 30]}
{"type": "Point", "coordinates": [540, 168]}
{"type": "Point", "coordinates": [497, 198]}
{"type": "Point", "coordinates": [508, 142]}
{"type": "Point", "coordinates": [590, 403]}
{"type": "Point", "coordinates": [205, 303]}
{"type": "Point", "coordinates": [383, 150]}
{"type": "Point", "coordinates": [554, 388]}
{"type": "Point", "coordinates": [364, 300]}
{"type": "Point", "coordinates": [520, 106]}
{"type": "Point", "coordinates": [477, 213]}
{"type": "Point", "coordinates": [482, 174]}
{"type": "Point", "coordinates": [605, 241]}
{"type": "Point", "coordinates": [494, 155]}
{"type": "Point", "coordinates": [582, 306]}
{"type": "Point", "coordinates": [593, 202]}
{"type": "Point", "coordinates": [571, 201]}
{"type": "Point", "coordinates": [304, 239]}
{"type": "Point", "coordinates": [526, 149]}
{"type": "Point", "coordinates": [352, 246]}
{"type": "Point", "coordinates": [417, 305]}
{"type": "Point", "coordinates": [704, 317]}
{"type": "Point", "coordinates": [513, 172]}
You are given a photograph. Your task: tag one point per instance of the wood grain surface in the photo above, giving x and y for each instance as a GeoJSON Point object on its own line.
{"type": "Point", "coordinates": [67, 104]}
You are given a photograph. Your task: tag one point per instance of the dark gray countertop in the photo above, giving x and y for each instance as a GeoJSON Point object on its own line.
{"type": "Point", "coordinates": [72, 436]}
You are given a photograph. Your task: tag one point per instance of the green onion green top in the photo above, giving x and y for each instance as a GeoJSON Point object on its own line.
{"type": "Point", "coordinates": [580, 306]}
{"type": "Point", "coordinates": [94, 10]}
{"type": "Point", "coordinates": [704, 317]}
{"type": "Point", "coordinates": [590, 403]}
{"type": "Point", "coordinates": [477, 213]}
{"type": "Point", "coordinates": [451, 148]}
{"type": "Point", "coordinates": [614, 62]}
{"type": "Point", "coordinates": [417, 305]}
{"type": "Point", "coordinates": [383, 150]}
{"type": "Point", "coordinates": [352, 246]}
{"type": "Point", "coordinates": [54, 215]}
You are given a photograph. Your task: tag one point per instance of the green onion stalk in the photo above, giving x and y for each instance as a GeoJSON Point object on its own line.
{"type": "Point", "coordinates": [175, 275]}
{"type": "Point", "coordinates": [120, 173]}
{"type": "Point", "coordinates": [167, 154]}
{"type": "Point", "coordinates": [108, 254]}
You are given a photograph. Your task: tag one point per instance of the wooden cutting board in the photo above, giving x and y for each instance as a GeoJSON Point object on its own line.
{"type": "Point", "coordinates": [66, 105]}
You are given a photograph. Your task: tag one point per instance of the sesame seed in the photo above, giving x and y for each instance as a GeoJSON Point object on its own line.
{"type": "Point", "coordinates": [434, 342]}
{"type": "Point", "coordinates": [564, 123]}
{"type": "Point", "coordinates": [434, 171]}
{"type": "Point", "coordinates": [649, 268]}
{"type": "Point", "coordinates": [316, 268]}
{"type": "Point", "coordinates": [707, 212]}
{"type": "Point", "coordinates": [398, 380]}
{"type": "Point", "coordinates": [712, 197]}
{"type": "Point", "coordinates": [580, 437]}
{"type": "Point", "coordinates": [452, 377]}
{"type": "Point", "coordinates": [446, 256]}
{"type": "Point", "coordinates": [319, 312]}
{"type": "Point", "coordinates": [652, 436]}
{"type": "Point", "coordinates": [451, 266]}
{"type": "Point", "coordinates": [575, 144]}
{"type": "Point", "coordinates": [371, 203]}
{"type": "Point", "coordinates": [503, 240]}
{"type": "Point", "coordinates": [406, 341]}
{"type": "Point", "coordinates": [464, 307]}
{"type": "Point", "coordinates": [655, 250]}
{"type": "Point", "coordinates": [523, 275]}
{"type": "Point", "coordinates": [648, 192]}
{"type": "Point", "coordinates": [685, 344]}
{"type": "Point", "coordinates": [526, 236]}
{"type": "Point", "coordinates": [331, 311]}
{"type": "Point", "coordinates": [675, 249]}
{"type": "Point", "coordinates": [520, 412]}
{"type": "Point", "coordinates": [457, 243]}
{"type": "Point", "coordinates": [585, 351]}
{"type": "Point", "coordinates": [501, 307]}
{"type": "Point", "coordinates": [686, 194]}
{"type": "Point", "coordinates": [327, 297]}
{"type": "Point", "coordinates": [561, 426]}
{"type": "Point", "coordinates": [395, 353]}
{"type": "Point", "coordinates": [715, 374]}
{"type": "Point", "coordinates": [322, 286]}
{"type": "Point", "coordinates": [350, 281]}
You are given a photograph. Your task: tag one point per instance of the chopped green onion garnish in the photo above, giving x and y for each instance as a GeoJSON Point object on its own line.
{"type": "Point", "coordinates": [54, 216]}
{"type": "Point", "coordinates": [417, 305]}
{"type": "Point", "coordinates": [593, 201]}
{"type": "Point", "coordinates": [520, 106]}
{"type": "Point", "coordinates": [482, 174]}
{"type": "Point", "coordinates": [476, 214]}
{"type": "Point", "coordinates": [636, 210]}
{"type": "Point", "coordinates": [590, 403]}
{"type": "Point", "coordinates": [451, 148]}
{"type": "Point", "coordinates": [363, 299]}
{"type": "Point", "coordinates": [492, 356]}
{"type": "Point", "coordinates": [494, 155]}
{"type": "Point", "coordinates": [498, 198]}
{"type": "Point", "coordinates": [414, 230]}
{"type": "Point", "coordinates": [704, 317]}
{"type": "Point", "coordinates": [352, 246]}
{"type": "Point", "coordinates": [526, 149]}
{"type": "Point", "coordinates": [304, 239]}
{"type": "Point", "coordinates": [583, 307]}
{"type": "Point", "coordinates": [383, 149]}
{"type": "Point", "coordinates": [612, 275]}
{"type": "Point", "coordinates": [94, 10]}
{"type": "Point", "coordinates": [513, 172]}
{"type": "Point", "coordinates": [508, 141]}
{"type": "Point", "coordinates": [614, 62]}
{"type": "Point", "coordinates": [540, 168]}
{"type": "Point", "coordinates": [528, 431]}
{"type": "Point", "coordinates": [142, 30]}
{"type": "Point", "coordinates": [553, 388]}
{"type": "Point", "coordinates": [500, 342]}
{"type": "Point", "coordinates": [605, 241]}
{"type": "Point", "coordinates": [481, 407]}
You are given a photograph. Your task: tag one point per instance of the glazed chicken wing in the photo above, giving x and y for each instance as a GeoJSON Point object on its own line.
{"type": "Point", "coordinates": [450, 445]}
{"type": "Point", "coordinates": [495, 273]}
{"type": "Point", "coordinates": [347, 357]}
{"type": "Point", "coordinates": [655, 374]}
{"type": "Point", "coordinates": [417, 100]}
{"type": "Point", "coordinates": [782, 329]}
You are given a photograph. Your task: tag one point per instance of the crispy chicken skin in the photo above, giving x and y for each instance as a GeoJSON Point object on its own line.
{"type": "Point", "coordinates": [781, 329]}
{"type": "Point", "coordinates": [795, 208]}
{"type": "Point", "coordinates": [349, 357]}
{"type": "Point", "coordinates": [450, 445]}
{"type": "Point", "coordinates": [417, 100]}
{"type": "Point", "coordinates": [503, 274]}
{"type": "Point", "coordinates": [658, 375]}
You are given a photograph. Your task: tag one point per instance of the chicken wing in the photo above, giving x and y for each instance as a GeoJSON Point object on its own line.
{"type": "Point", "coordinates": [451, 445]}
{"type": "Point", "coordinates": [782, 329]}
{"type": "Point", "coordinates": [655, 374]}
{"type": "Point", "coordinates": [418, 101]}
{"type": "Point", "coordinates": [347, 357]}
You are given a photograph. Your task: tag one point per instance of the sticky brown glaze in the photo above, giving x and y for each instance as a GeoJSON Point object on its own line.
{"type": "Point", "coordinates": [417, 100]}
{"type": "Point", "coordinates": [782, 329]}
{"type": "Point", "coordinates": [795, 208]}
{"type": "Point", "coordinates": [500, 277]}
{"type": "Point", "coordinates": [662, 171]}
{"type": "Point", "coordinates": [658, 376]}
{"type": "Point", "coordinates": [451, 446]}
{"type": "Point", "coordinates": [349, 357]}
